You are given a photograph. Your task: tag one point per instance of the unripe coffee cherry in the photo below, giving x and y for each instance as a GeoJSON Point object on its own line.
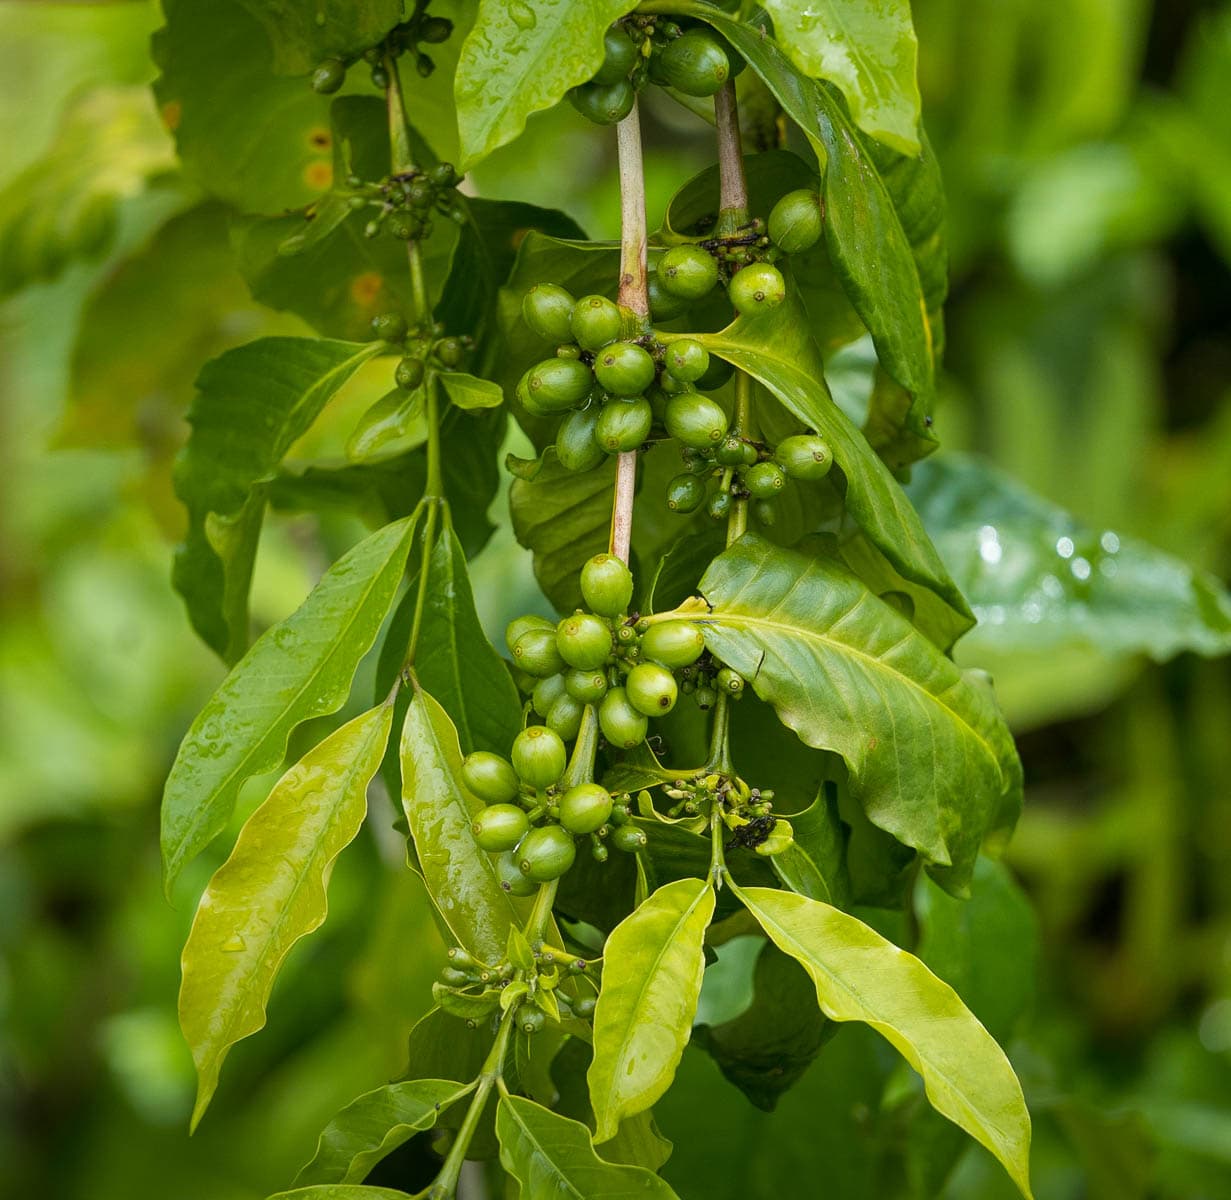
{"type": "Point", "coordinates": [596, 321]}
{"type": "Point", "coordinates": [623, 425]}
{"type": "Point", "coordinates": [765, 480]}
{"type": "Point", "coordinates": [674, 644]}
{"type": "Point", "coordinates": [696, 420]}
{"type": "Point", "coordinates": [622, 725]}
{"type": "Point", "coordinates": [757, 288]}
{"type": "Point", "coordinates": [329, 76]}
{"type": "Point", "coordinates": [519, 625]}
{"type": "Point", "coordinates": [624, 368]}
{"type": "Point", "coordinates": [509, 873]}
{"type": "Point", "coordinates": [539, 756]}
{"type": "Point", "coordinates": [577, 445]}
{"type": "Point", "coordinates": [585, 808]}
{"type": "Point", "coordinates": [688, 272]}
{"type": "Point", "coordinates": [651, 689]}
{"type": "Point", "coordinates": [686, 360]}
{"type": "Point", "coordinates": [606, 585]}
{"type": "Point", "coordinates": [548, 310]}
{"type": "Point", "coordinates": [536, 653]}
{"type": "Point", "coordinates": [695, 64]}
{"type": "Point", "coordinates": [804, 456]}
{"type": "Point", "coordinates": [546, 853]}
{"type": "Point", "coordinates": [685, 494]}
{"type": "Point", "coordinates": [620, 55]}
{"type": "Point", "coordinates": [628, 838]}
{"type": "Point", "coordinates": [500, 827]}
{"type": "Point", "coordinates": [489, 777]}
{"type": "Point", "coordinates": [795, 221]}
{"type": "Point", "coordinates": [565, 716]}
{"type": "Point", "coordinates": [584, 641]}
{"type": "Point", "coordinates": [557, 384]}
{"type": "Point", "coordinates": [604, 104]}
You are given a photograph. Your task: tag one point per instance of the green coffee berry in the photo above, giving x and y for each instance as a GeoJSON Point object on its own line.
{"type": "Point", "coordinates": [548, 310]}
{"type": "Point", "coordinates": [389, 326]}
{"type": "Point", "coordinates": [489, 777]}
{"type": "Point", "coordinates": [624, 369]}
{"type": "Point", "coordinates": [756, 288]}
{"type": "Point", "coordinates": [651, 689]}
{"type": "Point", "coordinates": [536, 653]}
{"type": "Point", "coordinates": [688, 272]}
{"type": "Point", "coordinates": [596, 322]}
{"type": "Point", "coordinates": [622, 725]}
{"type": "Point", "coordinates": [565, 716]}
{"type": "Point", "coordinates": [557, 384]}
{"type": "Point", "coordinates": [539, 756]}
{"type": "Point", "coordinates": [685, 494]}
{"type": "Point", "coordinates": [674, 644]}
{"type": "Point", "coordinates": [628, 838]}
{"type": "Point", "coordinates": [764, 480]}
{"type": "Point", "coordinates": [719, 506]}
{"type": "Point", "coordinates": [695, 64]}
{"type": "Point", "coordinates": [519, 625]}
{"type": "Point", "coordinates": [686, 360]}
{"type": "Point", "coordinates": [577, 445]}
{"type": "Point", "coordinates": [587, 686]}
{"type": "Point", "coordinates": [585, 808]}
{"type": "Point", "coordinates": [546, 693]}
{"type": "Point", "coordinates": [663, 305]}
{"type": "Point", "coordinates": [606, 585]}
{"type": "Point", "coordinates": [500, 827]}
{"type": "Point", "coordinates": [509, 873]}
{"type": "Point", "coordinates": [329, 76]}
{"type": "Point", "coordinates": [696, 420]}
{"type": "Point", "coordinates": [795, 221]}
{"type": "Point", "coordinates": [804, 456]}
{"type": "Point", "coordinates": [584, 641]}
{"type": "Point", "coordinates": [408, 374]}
{"type": "Point", "coordinates": [546, 853]}
{"type": "Point", "coordinates": [620, 54]}
{"type": "Point", "coordinates": [623, 425]}
{"type": "Point", "coordinates": [730, 681]}
{"type": "Point", "coordinates": [604, 104]}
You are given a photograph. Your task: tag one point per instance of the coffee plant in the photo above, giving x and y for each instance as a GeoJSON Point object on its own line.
{"type": "Point", "coordinates": [745, 720]}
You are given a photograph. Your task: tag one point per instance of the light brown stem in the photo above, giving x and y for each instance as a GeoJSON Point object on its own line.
{"type": "Point", "coordinates": [733, 187]}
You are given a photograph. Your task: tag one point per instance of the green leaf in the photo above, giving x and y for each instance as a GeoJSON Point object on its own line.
{"type": "Point", "coordinates": [931, 760]}
{"type": "Point", "coordinates": [299, 669]}
{"type": "Point", "coordinates": [376, 1124]}
{"type": "Point", "coordinates": [521, 57]}
{"type": "Point", "coordinates": [868, 50]}
{"type": "Point", "coordinates": [565, 518]}
{"type": "Point", "coordinates": [304, 34]}
{"type": "Point", "coordinates": [814, 865]}
{"type": "Point", "coordinates": [652, 968]}
{"type": "Point", "coordinates": [1043, 583]}
{"type": "Point", "coordinates": [777, 350]}
{"type": "Point", "coordinates": [860, 976]}
{"type": "Point", "coordinates": [469, 391]}
{"type": "Point", "coordinates": [766, 1049]}
{"type": "Point", "coordinates": [340, 1191]}
{"type": "Point", "coordinates": [461, 878]}
{"type": "Point", "coordinates": [252, 404]}
{"type": "Point", "coordinates": [258, 140]}
{"type": "Point", "coordinates": [884, 287]}
{"type": "Point", "coordinates": [456, 662]}
{"type": "Point", "coordinates": [271, 892]}
{"type": "Point", "coordinates": [66, 206]}
{"type": "Point", "coordinates": [551, 1156]}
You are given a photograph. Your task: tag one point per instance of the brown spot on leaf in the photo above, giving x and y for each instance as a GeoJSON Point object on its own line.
{"type": "Point", "coordinates": [318, 175]}
{"type": "Point", "coordinates": [172, 111]}
{"type": "Point", "coordinates": [319, 138]}
{"type": "Point", "coordinates": [365, 289]}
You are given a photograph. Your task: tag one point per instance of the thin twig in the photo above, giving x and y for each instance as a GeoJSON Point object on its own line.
{"type": "Point", "coordinates": [733, 186]}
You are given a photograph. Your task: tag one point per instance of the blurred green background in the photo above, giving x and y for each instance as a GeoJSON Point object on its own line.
{"type": "Point", "coordinates": [1087, 151]}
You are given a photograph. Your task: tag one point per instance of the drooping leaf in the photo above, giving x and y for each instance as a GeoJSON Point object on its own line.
{"type": "Point", "coordinates": [258, 140]}
{"type": "Point", "coordinates": [468, 391]}
{"type": "Point", "coordinates": [930, 758]}
{"type": "Point", "coordinates": [564, 517]}
{"type": "Point", "coordinates": [1042, 582]}
{"type": "Point", "coordinates": [522, 57]}
{"type": "Point", "coordinates": [461, 878]}
{"type": "Point", "coordinates": [301, 668]}
{"type": "Point", "coordinates": [271, 892]}
{"type": "Point", "coordinates": [65, 206]}
{"type": "Point", "coordinates": [652, 968]}
{"type": "Point", "coordinates": [868, 50]}
{"type": "Point", "coordinates": [766, 1049]}
{"type": "Point", "coordinates": [884, 287]}
{"type": "Point", "coordinates": [252, 403]}
{"type": "Point", "coordinates": [551, 1156]}
{"type": "Point", "coordinates": [304, 34]}
{"type": "Point", "coordinates": [375, 1125]}
{"type": "Point", "coordinates": [859, 976]}
{"type": "Point", "coordinates": [777, 350]}
{"type": "Point", "coordinates": [456, 662]}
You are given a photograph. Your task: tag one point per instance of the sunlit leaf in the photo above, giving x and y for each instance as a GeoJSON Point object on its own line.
{"type": "Point", "coordinates": [461, 878]}
{"type": "Point", "coordinates": [931, 760]}
{"type": "Point", "coordinates": [551, 1156]}
{"type": "Point", "coordinates": [520, 57]}
{"type": "Point", "coordinates": [468, 391]}
{"type": "Point", "coordinates": [301, 668]}
{"type": "Point", "coordinates": [859, 976]}
{"type": "Point", "coordinates": [652, 968]}
{"type": "Point", "coordinates": [304, 34]}
{"type": "Point", "coordinates": [271, 892]}
{"type": "Point", "coordinates": [376, 1124]}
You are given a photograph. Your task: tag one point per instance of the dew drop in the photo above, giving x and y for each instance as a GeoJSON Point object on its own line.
{"type": "Point", "coordinates": [522, 14]}
{"type": "Point", "coordinates": [234, 944]}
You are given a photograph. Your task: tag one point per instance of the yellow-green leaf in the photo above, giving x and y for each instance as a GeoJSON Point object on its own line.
{"type": "Point", "coordinates": [271, 892]}
{"type": "Point", "coordinates": [652, 969]}
{"type": "Point", "coordinates": [860, 976]}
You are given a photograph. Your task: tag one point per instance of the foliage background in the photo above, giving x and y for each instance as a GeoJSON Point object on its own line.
{"type": "Point", "coordinates": [1087, 152]}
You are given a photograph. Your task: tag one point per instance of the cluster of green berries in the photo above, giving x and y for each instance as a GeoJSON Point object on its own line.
{"type": "Point", "coordinates": [421, 347]}
{"type": "Point", "coordinates": [646, 49]}
{"type": "Point", "coordinates": [745, 470]}
{"type": "Point", "coordinates": [406, 203]}
{"type": "Point", "coordinates": [329, 75]}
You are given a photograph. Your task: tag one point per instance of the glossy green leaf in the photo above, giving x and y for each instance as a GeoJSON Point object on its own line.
{"type": "Point", "coordinates": [375, 1125]}
{"type": "Point", "coordinates": [652, 968]}
{"type": "Point", "coordinates": [340, 1191]}
{"type": "Point", "coordinates": [461, 878]}
{"type": "Point", "coordinates": [521, 57]}
{"type": "Point", "coordinates": [553, 1157]}
{"type": "Point", "coordinates": [271, 892]}
{"type": "Point", "coordinates": [252, 404]}
{"type": "Point", "coordinates": [258, 140]}
{"type": "Point", "coordinates": [868, 50]}
{"type": "Point", "coordinates": [814, 865]}
{"type": "Point", "coordinates": [1042, 582]}
{"type": "Point", "coordinates": [766, 1049]}
{"type": "Point", "coordinates": [456, 662]}
{"type": "Point", "coordinates": [564, 518]}
{"type": "Point", "coordinates": [860, 976]}
{"type": "Point", "coordinates": [304, 34]}
{"type": "Point", "coordinates": [301, 668]}
{"type": "Point", "coordinates": [469, 391]}
{"type": "Point", "coordinates": [930, 758]}
{"type": "Point", "coordinates": [884, 287]}
{"type": "Point", "coordinates": [66, 206]}
{"type": "Point", "coordinates": [777, 350]}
